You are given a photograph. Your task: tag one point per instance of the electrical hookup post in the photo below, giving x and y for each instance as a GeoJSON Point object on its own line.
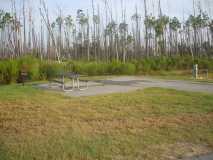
{"type": "Point", "coordinates": [195, 71]}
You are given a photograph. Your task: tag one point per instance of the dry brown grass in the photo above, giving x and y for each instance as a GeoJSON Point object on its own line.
{"type": "Point", "coordinates": [44, 125]}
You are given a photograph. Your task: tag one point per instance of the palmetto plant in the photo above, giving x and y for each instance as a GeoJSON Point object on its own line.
{"type": "Point", "coordinates": [5, 18]}
{"type": "Point", "coordinates": [174, 24]}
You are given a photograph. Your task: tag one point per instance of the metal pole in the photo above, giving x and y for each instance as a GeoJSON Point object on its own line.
{"type": "Point", "coordinates": [196, 71]}
{"type": "Point", "coordinates": [63, 83]}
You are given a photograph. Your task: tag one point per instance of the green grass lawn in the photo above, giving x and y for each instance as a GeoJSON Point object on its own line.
{"type": "Point", "coordinates": [154, 124]}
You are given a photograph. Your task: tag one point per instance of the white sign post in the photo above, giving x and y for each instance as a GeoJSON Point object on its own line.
{"type": "Point", "coordinates": [196, 71]}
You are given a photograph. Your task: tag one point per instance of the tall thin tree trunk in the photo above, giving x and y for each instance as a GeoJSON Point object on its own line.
{"type": "Point", "coordinates": [146, 30]}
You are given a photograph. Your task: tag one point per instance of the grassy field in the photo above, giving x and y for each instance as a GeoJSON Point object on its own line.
{"type": "Point", "coordinates": [154, 124]}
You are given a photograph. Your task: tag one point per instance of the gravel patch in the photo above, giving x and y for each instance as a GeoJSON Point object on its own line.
{"type": "Point", "coordinates": [130, 83]}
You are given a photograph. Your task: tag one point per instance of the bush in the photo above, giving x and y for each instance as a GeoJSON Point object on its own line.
{"type": "Point", "coordinates": [8, 71]}
{"type": "Point", "coordinates": [144, 66]}
{"type": "Point", "coordinates": [30, 65]}
{"type": "Point", "coordinates": [114, 68]}
{"type": "Point", "coordinates": [205, 63]}
{"type": "Point", "coordinates": [88, 68]}
{"type": "Point", "coordinates": [94, 68]}
{"type": "Point", "coordinates": [50, 70]}
{"type": "Point", "coordinates": [101, 68]}
{"type": "Point", "coordinates": [151, 64]}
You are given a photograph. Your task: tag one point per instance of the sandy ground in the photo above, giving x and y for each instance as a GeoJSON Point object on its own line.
{"type": "Point", "coordinates": [131, 83]}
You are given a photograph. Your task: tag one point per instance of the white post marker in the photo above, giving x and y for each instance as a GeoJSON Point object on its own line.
{"type": "Point", "coordinates": [73, 83]}
{"type": "Point", "coordinates": [63, 83]}
{"type": "Point", "coordinates": [196, 71]}
{"type": "Point", "coordinates": [78, 83]}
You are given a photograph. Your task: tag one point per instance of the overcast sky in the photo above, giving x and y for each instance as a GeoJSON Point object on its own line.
{"type": "Point", "coordinates": [169, 7]}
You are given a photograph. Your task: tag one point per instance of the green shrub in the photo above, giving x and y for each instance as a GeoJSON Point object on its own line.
{"type": "Point", "coordinates": [8, 71]}
{"type": "Point", "coordinates": [94, 68]}
{"type": "Point", "coordinates": [146, 65]}
{"type": "Point", "coordinates": [205, 63]}
{"type": "Point", "coordinates": [76, 67]}
{"type": "Point", "coordinates": [185, 63]}
{"type": "Point", "coordinates": [128, 69]}
{"type": "Point", "coordinates": [31, 66]}
{"type": "Point", "coordinates": [114, 68]}
{"type": "Point", "coordinates": [36, 69]}
{"type": "Point", "coordinates": [101, 68]}
{"type": "Point", "coordinates": [87, 68]}
{"type": "Point", "coordinates": [50, 70]}
{"type": "Point", "coordinates": [118, 68]}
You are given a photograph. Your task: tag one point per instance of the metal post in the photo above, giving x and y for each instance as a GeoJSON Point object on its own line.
{"type": "Point", "coordinates": [196, 71]}
{"type": "Point", "coordinates": [63, 83]}
{"type": "Point", "coordinates": [78, 85]}
{"type": "Point", "coordinates": [207, 74]}
{"type": "Point", "coordinates": [73, 83]}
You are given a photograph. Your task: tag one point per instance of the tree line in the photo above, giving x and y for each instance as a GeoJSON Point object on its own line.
{"type": "Point", "coordinates": [98, 35]}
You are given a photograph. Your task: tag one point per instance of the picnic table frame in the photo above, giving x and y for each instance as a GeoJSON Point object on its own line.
{"type": "Point", "coordinates": [74, 77]}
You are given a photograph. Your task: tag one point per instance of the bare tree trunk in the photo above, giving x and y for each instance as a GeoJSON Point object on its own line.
{"type": "Point", "coordinates": [88, 38]}
{"type": "Point", "coordinates": [94, 30]}
{"type": "Point", "coordinates": [24, 25]}
{"type": "Point", "coordinates": [45, 17]}
{"type": "Point", "coordinates": [146, 30]}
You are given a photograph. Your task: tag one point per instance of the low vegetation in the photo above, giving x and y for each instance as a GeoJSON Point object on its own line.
{"type": "Point", "coordinates": [155, 124]}
{"type": "Point", "coordinates": [42, 70]}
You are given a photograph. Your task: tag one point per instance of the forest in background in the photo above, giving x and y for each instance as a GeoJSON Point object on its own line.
{"type": "Point", "coordinates": [100, 37]}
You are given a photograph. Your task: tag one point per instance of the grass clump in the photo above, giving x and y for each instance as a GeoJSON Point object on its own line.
{"type": "Point", "coordinates": [119, 68]}
{"type": "Point", "coordinates": [102, 68]}
{"type": "Point", "coordinates": [8, 71]}
{"type": "Point", "coordinates": [30, 65]}
{"type": "Point", "coordinates": [50, 69]}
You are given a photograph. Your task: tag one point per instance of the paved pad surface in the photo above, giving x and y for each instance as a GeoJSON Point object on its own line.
{"type": "Point", "coordinates": [131, 83]}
